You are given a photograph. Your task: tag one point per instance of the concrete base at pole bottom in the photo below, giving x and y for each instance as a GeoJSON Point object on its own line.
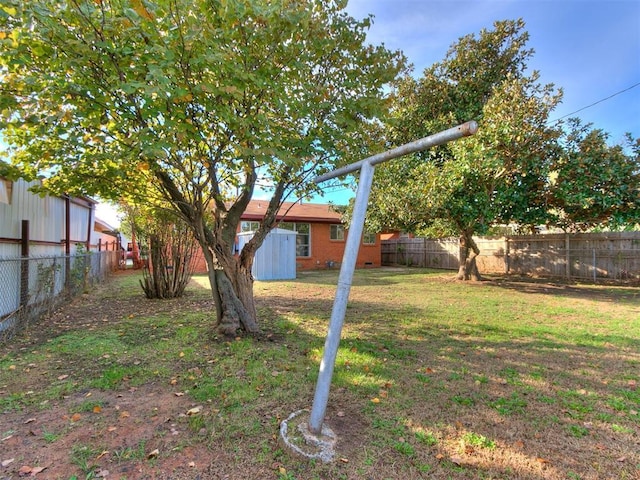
{"type": "Point", "coordinates": [295, 435]}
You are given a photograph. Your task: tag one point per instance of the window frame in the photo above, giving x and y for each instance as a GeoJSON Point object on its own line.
{"type": "Point", "coordinates": [337, 232]}
{"type": "Point", "coordinates": [369, 234]}
{"type": "Point", "coordinates": [249, 224]}
{"type": "Point", "coordinates": [301, 235]}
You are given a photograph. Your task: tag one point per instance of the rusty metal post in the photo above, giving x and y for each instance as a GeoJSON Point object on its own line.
{"type": "Point", "coordinates": [24, 264]}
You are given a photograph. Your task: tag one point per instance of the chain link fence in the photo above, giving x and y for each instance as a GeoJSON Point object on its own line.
{"type": "Point", "coordinates": [31, 288]}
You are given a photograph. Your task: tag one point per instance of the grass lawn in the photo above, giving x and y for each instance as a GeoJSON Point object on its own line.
{"type": "Point", "coordinates": [434, 379]}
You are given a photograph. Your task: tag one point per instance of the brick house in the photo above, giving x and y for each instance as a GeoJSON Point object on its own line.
{"type": "Point", "coordinates": [321, 236]}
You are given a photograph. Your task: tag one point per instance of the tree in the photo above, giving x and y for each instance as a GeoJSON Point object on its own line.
{"type": "Point", "coordinates": [496, 176]}
{"type": "Point", "coordinates": [169, 249]}
{"type": "Point", "coordinates": [199, 98]}
{"type": "Point", "coordinates": [594, 184]}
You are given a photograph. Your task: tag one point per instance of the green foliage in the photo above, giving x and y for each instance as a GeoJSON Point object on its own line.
{"type": "Point", "coordinates": [199, 93]}
{"type": "Point", "coordinates": [509, 405]}
{"type": "Point", "coordinates": [404, 448]}
{"type": "Point", "coordinates": [594, 184]}
{"type": "Point", "coordinates": [88, 406]}
{"type": "Point", "coordinates": [114, 376]}
{"type": "Point", "coordinates": [83, 456]}
{"type": "Point", "coordinates": [80, 269]}
{"type": "Point", "coordinates": [50, 437]}
{"type": "Point", "coordinates": [426, 438]}
{"type": "Point", "coordinates": [493, 176]}
{"type": "Point", "coordinates": [578, 431]}
{"type": "Point", "coordinates": [170, 248]}
{"type": "Point", "coordinates": [127, 453]}
{"type": "Point", "coordinates": [190, 103]}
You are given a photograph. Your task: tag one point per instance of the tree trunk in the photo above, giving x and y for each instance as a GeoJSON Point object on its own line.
{"type": "Point", "coordinates": [235, 314]}
{"type": "Point", "coordinates": [469, 251]}
{"type": "Point", "coordinates": [169, 267]}
{"type": "Point", "coordinates": [232, 290]}
{"type": "Point", "coordinates": [229, 276]}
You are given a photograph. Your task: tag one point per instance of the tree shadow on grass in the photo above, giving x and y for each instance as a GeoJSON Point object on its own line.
{"type": "Point", "coordinates": [555, 404]}
{"type": "Point", "coordinates": [605, 293]}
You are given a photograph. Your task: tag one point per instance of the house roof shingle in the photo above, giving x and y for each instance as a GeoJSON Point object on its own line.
{"type": "Point", "coordinates": [294, 212]}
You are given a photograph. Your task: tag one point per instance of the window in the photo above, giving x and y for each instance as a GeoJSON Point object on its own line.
{"type": "Point", "coordinates": [303, 239]}
{"type": "Point", "coordinates": [337, 232]}
{"type": "Point", "coordinates": [246, 226]}
{"type": "Point", "coordinates": [369, 238]}
{"type": "Point", "coordinates": [5, 190]}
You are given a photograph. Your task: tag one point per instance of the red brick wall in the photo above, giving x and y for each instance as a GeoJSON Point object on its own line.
{"type": "Point", "coordinates": [200, 265]}
{"type": "Point", "coordinates": [323, 250]}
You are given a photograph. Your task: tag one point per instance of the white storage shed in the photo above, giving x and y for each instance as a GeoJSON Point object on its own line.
{"type": "Point", "coordinates": [276, 257]}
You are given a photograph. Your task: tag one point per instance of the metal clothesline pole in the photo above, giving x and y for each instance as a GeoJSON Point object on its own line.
{"type": "Point", "coordinates": [366, 167]}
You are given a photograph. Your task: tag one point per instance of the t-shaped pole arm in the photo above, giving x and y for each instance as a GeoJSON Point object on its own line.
{"type": "Point", "coordinates": [465, 130]}
{"type": "Point", "coordinates": [350, 256]}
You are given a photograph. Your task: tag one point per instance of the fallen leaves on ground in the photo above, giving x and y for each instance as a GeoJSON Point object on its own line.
{"type": "Point", "coordinates": [194, 410]}
{"type": "Point", "coordinates": [30, 471]}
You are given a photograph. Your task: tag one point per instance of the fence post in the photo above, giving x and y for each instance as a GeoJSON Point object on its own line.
{"type": "Point", "coordinates": [567, 256]}
{"type": "Point", "coordinates": [67, 242]}
{"type": "Point", "coordinates": [424, 251]}
{"type": "Point", "coordinates": [395, 262]}
{"type": "Point", "coordinates": [24, 264]}
{"type": "Point", "coordinates": [506, 255]}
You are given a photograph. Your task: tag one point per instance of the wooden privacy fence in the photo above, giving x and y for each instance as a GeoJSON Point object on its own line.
{"type": "Point", "coordinates": [590, 256]}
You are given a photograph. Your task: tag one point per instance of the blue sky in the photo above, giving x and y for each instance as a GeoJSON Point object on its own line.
{"type": "Point", "coordinates": [590, 48]}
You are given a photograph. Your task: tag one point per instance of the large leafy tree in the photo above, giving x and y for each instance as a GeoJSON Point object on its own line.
{"type": "Point", "coordinates": [200, 99]}
{"type": "Point", "coordinates": [594, 184]}
{"type": "Point", "coordinates": [496, 176]}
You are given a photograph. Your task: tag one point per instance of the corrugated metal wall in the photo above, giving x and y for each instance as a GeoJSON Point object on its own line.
{"type": "Point", "coordinates": [46, 216]}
